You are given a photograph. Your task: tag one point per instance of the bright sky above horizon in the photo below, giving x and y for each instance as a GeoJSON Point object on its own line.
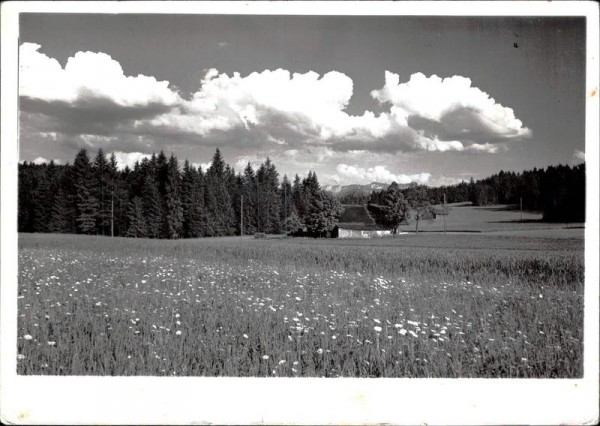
{"type": "Point", "coordinates": [357, 99]}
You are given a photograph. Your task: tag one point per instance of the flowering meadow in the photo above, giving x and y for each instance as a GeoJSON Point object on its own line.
{"type": "Point", "coordinates": [421, 306]}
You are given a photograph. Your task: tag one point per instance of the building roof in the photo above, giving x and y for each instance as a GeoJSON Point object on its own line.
{"type": "Point", "coordinates": [361, 226]}
{"type": "Point", "coordinates": [356, 214]}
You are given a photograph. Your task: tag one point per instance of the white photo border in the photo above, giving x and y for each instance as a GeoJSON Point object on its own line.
{"type": "Point", "coordinates": [192, 400]}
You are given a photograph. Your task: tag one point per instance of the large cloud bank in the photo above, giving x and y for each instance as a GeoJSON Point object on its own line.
{"type": "Point", "coordinates": [92, 95]}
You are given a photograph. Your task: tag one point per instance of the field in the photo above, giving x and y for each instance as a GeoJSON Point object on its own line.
{"type": "Point", "coordinates": [426, 305]}
{"type": "Point", "coordinates": [497, 218]}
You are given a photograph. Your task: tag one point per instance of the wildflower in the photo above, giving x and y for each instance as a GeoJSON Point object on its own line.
{"type": "Point", "coordinates": [51, 343]}
{"type": "Point", "coordinates": [143, 281]}
{"type": "Point", "coordinates": [377, 328]}
{"type": "Point", "coordinates": [20, 357]}
{"type": "Point", "coordinates": [265, 357]}
{"type": "Point", "coordinates": [245, 336]}
{"type": "Point", "coordinates": [402, 332]}
{"type": "Point", "coordinates": [178, 332]}
{"type": "Point", "coordinates": [377, 321]}
{"type": "Point", "coordinates": [27, 337]}
{"type": "Point", "coordinates": [413, 334]}
{"type": "Point", "coordinates": [320, 351]}
{"type": "Point", "coordinates": [398, 325]}
{"type": "Point", "coordinates": [282, 361]}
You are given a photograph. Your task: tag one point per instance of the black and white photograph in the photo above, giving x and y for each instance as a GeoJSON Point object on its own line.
{"type": "Point", "coordinates": [294, 198]}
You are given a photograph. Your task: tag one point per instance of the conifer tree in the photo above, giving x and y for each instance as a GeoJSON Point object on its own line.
{"type": "Point", "coordinates": [87, 204]}
{"type": "Point", "coordinates": [88, 210]}
{"type": "Point", "coordinates": [297, 197]}
{"type": "Point", "coordinates": [101, 191]}
{"type": "Point", "coordinates": [249, 191]}
{"type": "Point", "coordinates": [151, 205]}
{"type": "Point", "coordinates": [268, 198]}
{"type": "Point", "coordinates": [286, 202]}
{"type": "Point", "coordinates": [192, 202]}
{"type": "Point", "coordinates": [59, 214]}
{"type": "Point", "coordinates": [135, 216]}
{"type": "Point", "coordinates": [43, 199]}
{"type": "Point", "coordinates": [173, 210]}
{"type": "Point", "coordinates": [220, 213]}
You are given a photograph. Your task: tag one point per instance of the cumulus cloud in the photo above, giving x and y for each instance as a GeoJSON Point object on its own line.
{"type": "Point", "coordinates": [86, 76]}
{"type": "Point", "coordinates": [379, 174]}
{"type": "Point", "coordinates": [40, 160]}
{"type": "Point", "coordinates": [203, 166]}
{"type": "Point", "coordinates": [128, 159]}
{"type": "Point", "coordinates": [449, 108]}
{"type": "Point", "coordinates": [91, 96]}
{"type": "Point", "coordinates": [280, 107]}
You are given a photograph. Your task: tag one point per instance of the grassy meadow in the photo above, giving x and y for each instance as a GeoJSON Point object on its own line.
{"type": "Point", "coordinates": [496, 218]}
{"type": "Point", "coordinates": [427, 305]}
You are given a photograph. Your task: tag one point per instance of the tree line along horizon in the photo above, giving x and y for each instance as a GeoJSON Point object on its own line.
{"type": "Point", "coordinates": [158, 199]}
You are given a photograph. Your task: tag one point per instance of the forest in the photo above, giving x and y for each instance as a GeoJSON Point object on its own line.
{"type": "Point", "coordinates": [158, 198]}
{"type": "Point", "coordinates": [557, 191]}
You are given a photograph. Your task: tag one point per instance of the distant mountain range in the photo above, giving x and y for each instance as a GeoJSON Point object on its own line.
{"type": "Point", "coordinates": [366, 189]}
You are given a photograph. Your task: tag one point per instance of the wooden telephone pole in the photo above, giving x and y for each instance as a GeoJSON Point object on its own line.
{"type": "Point", "coordinates": [521, 203]}
{"type": "Point", "coordinates": [242, 218]}
{"type": "Point", "coordinates": [112, 215]}
{"type": "Point", "coordinates": [445, 213]}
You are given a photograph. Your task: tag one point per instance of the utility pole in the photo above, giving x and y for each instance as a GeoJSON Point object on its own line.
{"type": "Point", "coordinates": [284, 201]}
{"type": "Point", "coordinates": [112, 215]}
{"type": "Point", "coordinates": [242, 218]}
{"type": "Point", "coordinates": [445, 213]}
{"type": "Point", "coordinates": [521, 203]}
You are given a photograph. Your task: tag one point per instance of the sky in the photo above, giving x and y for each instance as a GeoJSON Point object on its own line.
{"type": "Point", "coordinates": [357, 99]}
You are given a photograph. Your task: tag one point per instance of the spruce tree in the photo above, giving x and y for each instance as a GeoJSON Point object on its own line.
{"type": "Point", "coordinates": [135, 216]}
{"type": "Point", "coordinates": [220, 214]}
{"type": "Point", "coordinates": [249, 191]}
{"type": "Point", "coordinates": [88, 210]}
{"type": "Point", "coordinates": [101, 191]}
{"type": "Point", "coordinates": [151, 204]}
{"type": "Point", "coordinates": [59, 214]}
{"type": "Point", "coordinates": [43, 200]}
{"type": "Point", "coordinates": [173, 210]}
{"type": "Point", "coordinates": [192, 201]}
{"type": "Point", "coordinates": [86, 204]}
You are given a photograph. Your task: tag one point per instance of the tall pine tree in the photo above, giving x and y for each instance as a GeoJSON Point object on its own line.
{"type": "Point", "coordinates": [87, 204]}
{"type": "Point", "coordinates": [173, 210]}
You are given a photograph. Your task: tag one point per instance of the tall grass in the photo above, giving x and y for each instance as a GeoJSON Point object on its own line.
{"type": "Point", "coordinates": [94, 305]}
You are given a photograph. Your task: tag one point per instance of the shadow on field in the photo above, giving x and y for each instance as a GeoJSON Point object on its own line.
{"type": "Point", "coordinates": [518, 221]}
{"type": "Point", "coordinates": [503, 208]}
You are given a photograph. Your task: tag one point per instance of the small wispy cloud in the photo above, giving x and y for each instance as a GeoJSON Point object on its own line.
{"type": "Point", "coordinates": [578, 155]}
